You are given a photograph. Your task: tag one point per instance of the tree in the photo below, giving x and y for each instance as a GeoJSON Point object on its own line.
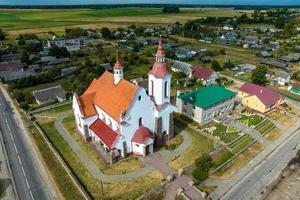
{"type": "Point", "coordinates": [2, 35]}
{"type": "Point", "coordinates": [229, 65]}
{"type": "Point", "coordinates": [170, 9]}
{"type": "Point", "coordinates": [25, 57]}
{"type": "Point", "coordinates": [105, 32]}
{"type": "Point", "coordinates": [259, 75]}
{"type": "Point", "coordinates": [215, 65]}
{"type": "Point", "coordinates": [19, 95]}
{"type": "Point", "coordinates": [59, 52]}
{"type": "Point", "coordinates": [203, 165]}
{"type": "Point", "coordinates": [75, 32]}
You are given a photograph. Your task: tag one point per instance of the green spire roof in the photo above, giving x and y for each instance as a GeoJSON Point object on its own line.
{"type": "Point", "coordinates": [208, 96]}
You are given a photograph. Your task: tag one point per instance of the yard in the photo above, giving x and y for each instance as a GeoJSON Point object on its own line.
{"type": "Point", "coordinates": [122, 190]}
{"type": "Point", "coordinates": [200, 145]}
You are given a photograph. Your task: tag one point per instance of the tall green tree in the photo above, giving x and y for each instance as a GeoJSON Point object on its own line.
{"type": "Point", "coordinates": [203, 164]}
{"type": "Point", "coordinates": [215, 65]}
{"type": "Point", "coordinates": [259, 75]}
{"type": "Point", "coordinates": [2, 35]}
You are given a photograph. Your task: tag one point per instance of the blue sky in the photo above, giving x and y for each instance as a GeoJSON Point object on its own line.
{"type": "Point", "coordinates": [217, 2]}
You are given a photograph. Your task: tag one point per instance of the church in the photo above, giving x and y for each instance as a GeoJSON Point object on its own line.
{"type": "Point", "coordinates": [119, 118]}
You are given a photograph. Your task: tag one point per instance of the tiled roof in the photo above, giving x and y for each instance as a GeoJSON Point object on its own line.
{"type": "Point", "coordinates": [207, 96]}
{"type": "Point", "coordinates": [141, 135]}
{"type": "Point", "coordinates": [87, 104]}
{"type": "Point", "coordinates": [111, 98]}
{"type": "Point", "coordinates": [264, 94]}
{"type": "Point", "coordinates": [202, 72]}
{"type": "Point", "coordinates": [159, 70]}
{"type": "Point", "coordinates": [105, 133]}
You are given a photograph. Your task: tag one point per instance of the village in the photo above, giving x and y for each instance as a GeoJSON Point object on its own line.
{"type": "Point", "coordinates": [174, 111]}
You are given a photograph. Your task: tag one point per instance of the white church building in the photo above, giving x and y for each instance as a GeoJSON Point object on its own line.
{"type": "Point", "coordinates": [119, 118]}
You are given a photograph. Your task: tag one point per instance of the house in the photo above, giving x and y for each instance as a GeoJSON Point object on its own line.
{"type": "Point", "coordinates": [178, 66]}
{"type": "Point", "coordinates": [119, 118]}
{"type": "Point", "coordinates": [259, 98]}
{"type": "Point", "coordinates": [251, 40]}
{"type": "Point", "coordinates": [204, 74]}
{"type": "Point", "coordinates": [15, 75]}
{"type": "Point", "coordinates": [207, 40]}
{"type": "Point", "coordinates": [287, 59]}
{"type": "Point", "coordinates": [275, 64]}
{"type": "Point", "coordinates": [204, 104]}
{"type": "Point", "coordinates": [246, 67]}
{"type": "Point", "coordinates": [228, 28]}
{"type": "Point", "coordinates": [182, 53]}
{"type": "Point", "coordinates": [229, 36]}
{"type": "Point", "coordinates": [205, 59]}
{"type": "Point", "coordinates": [12, 57]}
{"type": "Point", "coordinates": [49, 94]}
{"type": "Point", "coordinates": [68, 71]}
{"type": "Point", "coordinates": [263, 54]}
{"type": "Point", "coordinates": [73, 44]}
{"type": "Point", "coordinates": [11, 66]}
{"type": "Point", "coordinates": [283, 78]}
{"type": "Point", "coordinates": [107, 66]}
{"type": "Point", "coordinates": [295, 88]}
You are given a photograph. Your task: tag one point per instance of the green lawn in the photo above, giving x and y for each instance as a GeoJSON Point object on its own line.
{"type": "Point", "coordinates": [125, 166]}
{"type": "Point", "coordinates": [121, 190]}
{"type": "Point", "coordinates": [265, 127]}
{"type": "Point", "coordinates": [200, 145]}
{"type": "Point", "coordinates": [60, 176]}
{"type": "Point", "coordinates": [226, 133]}
{"type": "Point", "coordinates": [221, 158]}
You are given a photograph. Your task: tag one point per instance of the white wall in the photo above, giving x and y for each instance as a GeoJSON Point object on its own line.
{"type": "Point", "coordinates": [159, 84]}
{"type": "Point", "coordinates": [143, 108]}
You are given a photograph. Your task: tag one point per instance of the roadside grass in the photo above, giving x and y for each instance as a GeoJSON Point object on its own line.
{"type": "Point", "coordinates": [221, 158]}
{"type": "Point", "coordinates": [121, 190]}
{"type": "Point", "coordinates": [273, 134]}
{"type": "Point", "coordinates": [174, 142]}
{"type": "Point", "coordinates": [200, 145]}
{"type": "Point", "coordinates": [60, 176]}
{"type": "Point", "coordinates": [239, 162]}
{"type": "Point", "coordinates": [124, 166]}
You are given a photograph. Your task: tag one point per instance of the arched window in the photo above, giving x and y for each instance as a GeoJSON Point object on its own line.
{"type": "Point", "coordinates": [140, 121]}
{"type": "Point", "coordinates": [166, 89]}
{"type": "Point", "coordinates": [152, 88]}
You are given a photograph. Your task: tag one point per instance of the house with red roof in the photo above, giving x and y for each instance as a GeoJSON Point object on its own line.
{"type": "Point", "coordinates": [205, 74]}
{"type": "Point", "coordinates": [120, 118]}
{"type": "Point", "coordinates": [259, 98]}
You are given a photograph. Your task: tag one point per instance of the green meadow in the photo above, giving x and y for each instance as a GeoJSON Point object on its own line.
{"type": "Point", "coordinates": [17, 21]}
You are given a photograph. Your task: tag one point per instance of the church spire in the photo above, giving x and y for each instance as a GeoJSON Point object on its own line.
{"type": "Point", "coordinates": [118, 70]}
{"type": "Point", "coordinates": [160, 53]}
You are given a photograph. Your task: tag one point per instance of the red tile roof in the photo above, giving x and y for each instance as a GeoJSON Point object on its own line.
{"type": "Point", "coordinates": [86, 104]}
{"type": "Point", "coordinates": [265, 95]}
{"type": "Point", "coordinates": [202, 72]}
{"type": "Point", "coordinates": [141, 135]}
{"type": "Point", "coordinates": [105, 133]}
{"type": "Point", "coordinates": [112, 99]}
{"type": "Point", "coordinates": [117, 65]}
{"type": "Point", "coordinates": [160, 69]}
{"type": "Point", "coordinates": [160, 49]}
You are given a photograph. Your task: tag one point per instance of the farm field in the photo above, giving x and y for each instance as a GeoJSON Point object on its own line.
{"type": "Point", "coordinates": [17, 21]}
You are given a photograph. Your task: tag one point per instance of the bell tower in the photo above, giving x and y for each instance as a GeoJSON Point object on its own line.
{"type": "Point", "coordinates": [118, 70]}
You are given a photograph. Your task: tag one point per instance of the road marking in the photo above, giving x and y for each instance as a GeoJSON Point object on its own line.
{"type": "Point", "coordinates": [19, 160]}
{"type": "Point", "coordinates": [23, 171]}
{"type": "Point", "coordinates": [15, 148]}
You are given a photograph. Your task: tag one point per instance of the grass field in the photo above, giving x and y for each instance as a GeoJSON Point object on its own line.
{"type": "Point", "coordinates": [40, 20]}
{"type": "Point", "coordinates": [121, 190]}
{"type": "Point", "coordinates": [199, 146]}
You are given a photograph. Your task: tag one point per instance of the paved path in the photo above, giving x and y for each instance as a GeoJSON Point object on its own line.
{"type": "Point", "coordinates": [225, 185]}
{"type": "Point", "coordinates": [94, 169]}
{"type": "Point", "coordinates": [247, 130]}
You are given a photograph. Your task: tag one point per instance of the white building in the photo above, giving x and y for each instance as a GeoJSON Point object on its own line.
{"type": "Point", "coordinates": [283, 78]}
{"type": "Point", "coordinates": [120, 118]}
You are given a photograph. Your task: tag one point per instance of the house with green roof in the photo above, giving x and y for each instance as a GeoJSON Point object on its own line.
{"type": "Point", "coordinates": [204, 104]}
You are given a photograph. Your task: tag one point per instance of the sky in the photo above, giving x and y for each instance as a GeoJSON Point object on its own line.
{"type": "Point", "coordinates": [210, 2]}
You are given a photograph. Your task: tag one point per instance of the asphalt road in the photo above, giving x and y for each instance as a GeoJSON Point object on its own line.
{"type": "Point", "coordinates": [25, 169]}
{"type": "Point", "coordinates": [251, 186]}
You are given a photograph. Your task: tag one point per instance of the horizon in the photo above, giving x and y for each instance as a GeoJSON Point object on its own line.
{"type": "Point", "coordinates": [154, 2]}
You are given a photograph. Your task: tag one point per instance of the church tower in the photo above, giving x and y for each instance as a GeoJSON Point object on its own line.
{"type": "Point", "coordinates": [118, 71]}
{"type": "Point", "coordinates": [160, 78]}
